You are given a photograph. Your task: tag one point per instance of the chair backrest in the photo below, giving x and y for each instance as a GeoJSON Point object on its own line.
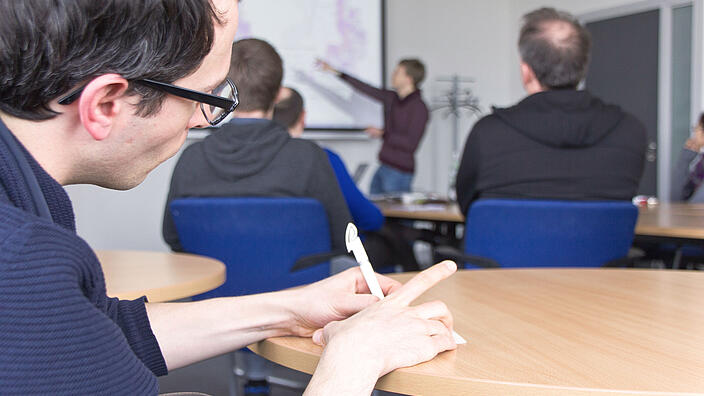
{"type": "Point", "coordinates": [258, 239]}
{"type": "Point", "coordinates": [537, 233]}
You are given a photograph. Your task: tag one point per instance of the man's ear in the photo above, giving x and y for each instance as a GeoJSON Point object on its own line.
{"type": "Point", "coordinates": [283, 93]}
{"type": "Point", "coordinates": [527, 74]}
{"type": "Point", "coordinates": [530, 81]}
{"type": "Point", "coordinates": [302, 119]}
{"type": "Point", "coordinates": [100, 103]}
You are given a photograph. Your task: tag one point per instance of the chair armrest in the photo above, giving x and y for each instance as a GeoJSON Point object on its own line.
{"type": "Point", "coordinates": [314, 259]}
{"type": "Point", "coordinates": [451, 253]}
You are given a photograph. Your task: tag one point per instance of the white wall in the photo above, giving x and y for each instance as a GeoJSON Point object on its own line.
{"type": "Point", "coordinates": [451, 37]}
{"type": "Point", "coordinates": [472, 38]}
{"type": "Point", "coordinates": [110, 219]}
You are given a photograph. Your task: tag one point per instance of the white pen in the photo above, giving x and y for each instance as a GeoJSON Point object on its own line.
{"type": "Point", "coordinates": [354, 245]}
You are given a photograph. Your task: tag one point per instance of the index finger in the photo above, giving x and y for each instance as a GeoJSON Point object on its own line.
{"type": "Point", "coordinates": [420, 283]}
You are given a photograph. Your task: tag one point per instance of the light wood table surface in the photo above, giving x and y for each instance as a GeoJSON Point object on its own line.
{"type": "Point", "coordinates": [675, 220]}
{"type": "Point", "coordinates": [159, 276]}
{"type": "Point", "coordinates": [666, 221]}
{"type": "Point", "coordinates": [553, 332]}
{"type": "Point", "coordinates": [428, 212]}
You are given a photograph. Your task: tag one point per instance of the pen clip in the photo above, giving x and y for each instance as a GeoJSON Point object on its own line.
{"type": "Point", "coordinates": [354, 244]}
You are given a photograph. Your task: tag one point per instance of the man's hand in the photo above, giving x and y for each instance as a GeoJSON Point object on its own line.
{"type": "Point", "coordinates": [696, 141]}
{"type": "Point", "coordinates": [334, 298]}
{"type": "Point", "coordinates": [391, 334]}
{"type": "Point", "coordinates": [374, 132]}
{"type": "Point", "coordinates": [383, 337]}
{"type": "Point", "coordinates": [324, 66]}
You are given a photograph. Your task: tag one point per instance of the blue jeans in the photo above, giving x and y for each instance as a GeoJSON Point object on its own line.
{"type": "Point", "coordinates": [389, 180]}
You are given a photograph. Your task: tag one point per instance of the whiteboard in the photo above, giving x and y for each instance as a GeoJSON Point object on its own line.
{"type": "Point", "coordinates": [346, 33]}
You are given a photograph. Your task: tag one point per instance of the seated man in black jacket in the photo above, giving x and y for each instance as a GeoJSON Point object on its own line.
{"type": "Point", "coordinates": [253, 156]}
{"type": "Point", "coordinates": [559, 142]}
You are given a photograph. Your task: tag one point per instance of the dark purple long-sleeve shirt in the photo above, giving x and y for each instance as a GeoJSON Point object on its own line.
{"type": "Point", "coordinates": [404, 120]}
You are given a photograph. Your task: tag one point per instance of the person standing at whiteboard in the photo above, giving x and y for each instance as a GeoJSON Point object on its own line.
{"type": "Point", "coordinates": [405, 118]}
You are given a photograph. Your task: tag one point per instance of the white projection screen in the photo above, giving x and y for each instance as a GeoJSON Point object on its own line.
{"type": "Point", "coordinates": [349, 34]}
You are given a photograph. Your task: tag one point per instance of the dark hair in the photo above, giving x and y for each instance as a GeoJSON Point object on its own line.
{"type": "Point", "coordinates": [701, 119]}
{"type": "Point", "coordinates": [556, 46]}
{"type": "Point", "coordinates": [49, 47]}
{"type": "Point", "coordinates": [288, 111]}
{"type": "Point", "coordinates": [415, 69]}
{"type": "Point", "coordinates": [257, 70]}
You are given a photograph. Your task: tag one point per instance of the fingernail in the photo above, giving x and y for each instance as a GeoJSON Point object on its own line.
{"type": "Point", "coordinates": [451, 265]}
{"type": "Point", "coordinates": [317, 337]}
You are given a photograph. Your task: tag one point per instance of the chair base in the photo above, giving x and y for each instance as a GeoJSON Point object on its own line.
{"type": "Point", "coordinates": [240, 377]}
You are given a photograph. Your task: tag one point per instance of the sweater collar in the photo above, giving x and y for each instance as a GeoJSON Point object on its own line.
{"type": "Point", "coordinates": [14, 190]}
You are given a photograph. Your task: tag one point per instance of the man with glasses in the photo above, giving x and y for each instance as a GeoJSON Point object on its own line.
{"type": "Point", "coordinates": [222, 165]}
{"type": "Point", "coordinates": [130, 75]}
{"type": "Point", "coordinates": [215, 105]}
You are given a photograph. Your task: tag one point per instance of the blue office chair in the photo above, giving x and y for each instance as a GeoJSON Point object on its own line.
{"type": "Point", "coordinates": [540, 233]}
{"type": "Point", "coordinates": [258, 239]}
{"type": "Point", "coordinates": [266, 245]}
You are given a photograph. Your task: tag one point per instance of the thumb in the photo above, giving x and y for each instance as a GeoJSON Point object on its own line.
{"type": "Point", "coordinates": [319, 337]}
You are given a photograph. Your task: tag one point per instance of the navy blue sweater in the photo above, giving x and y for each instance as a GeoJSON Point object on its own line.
{"type": "Point", "coordinates": [59, 332]}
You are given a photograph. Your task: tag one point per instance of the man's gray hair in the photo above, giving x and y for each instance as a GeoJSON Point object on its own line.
{"type": "Point", "coordinates": [556, 46]}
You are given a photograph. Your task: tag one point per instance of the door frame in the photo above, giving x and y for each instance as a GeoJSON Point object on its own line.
{"type": "Point", "coordinates": [664, 132]}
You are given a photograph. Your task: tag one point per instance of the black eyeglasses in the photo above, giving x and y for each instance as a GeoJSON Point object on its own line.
{"type": "Point", "coordinates": [215, 105]}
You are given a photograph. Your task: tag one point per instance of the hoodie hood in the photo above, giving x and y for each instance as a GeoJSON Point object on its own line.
{"type": "Point", "coordinates": [243, 147]}
{"type": "Point", "coordinates": [562, 118]}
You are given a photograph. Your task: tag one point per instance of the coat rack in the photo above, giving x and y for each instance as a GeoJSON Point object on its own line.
{"type": "Point", "coordinates": [458, 97]}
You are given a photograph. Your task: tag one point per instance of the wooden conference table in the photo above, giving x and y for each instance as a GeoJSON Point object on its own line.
{"type": "Point", "coordinates": [436, 212]}
{"type": "Point", "coordinates": [676, 221]}
{"type": "Point", "coordinates": [159, 276]}
{"type": "Point", "coordinates": [553, 332]}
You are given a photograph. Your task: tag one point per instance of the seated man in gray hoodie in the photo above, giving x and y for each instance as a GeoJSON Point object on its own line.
{"type": "Point", "coordinates": [559, 142]}
{"type": "Point", "coordinates": [252, 156]}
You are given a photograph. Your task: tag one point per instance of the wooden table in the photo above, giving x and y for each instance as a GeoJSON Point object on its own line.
{"type": "Point", "coordinates": [428, 212]}
{"type": "Point", "coordinates": [554, 332]}
{"type": "Point", "coordinates": [159, 276]}
{"type": "Point", "coordinates": [678, 222]}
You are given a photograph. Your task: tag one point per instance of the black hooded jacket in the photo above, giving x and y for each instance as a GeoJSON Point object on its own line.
{"type": "Point", "coordinates": [257, 158]}
{"type": "Point", "coordinates": [560, 144]}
